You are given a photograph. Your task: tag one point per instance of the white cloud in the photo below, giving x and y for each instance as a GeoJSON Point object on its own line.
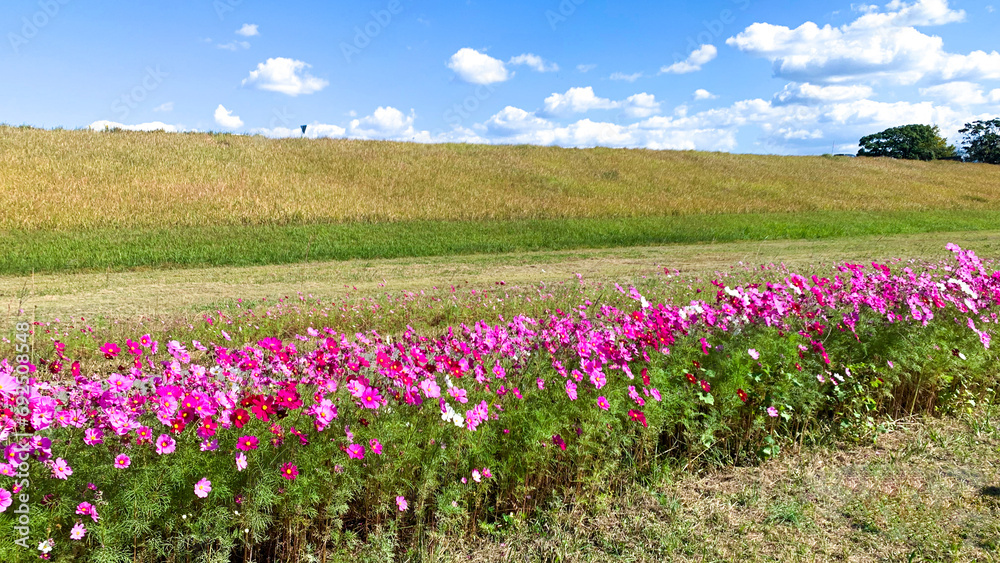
{"type": "Point", "coordinates": [384, 123]}
{"type": "Point", "coordinates": [958, 93]}
{"type": "Point", "coordinates": [807, 93]}
{"type": "Point", "coordinates": [585, 68]}
{"type": "Point", "coordinates": [626, 77]}
{"type": "Point", "coordinates": [167, 106]}
{"type": "Point", "coordinates": [641, 105]}
{"type": "Point", "coordinates": [225, 118]}
{"type": "Point", "coordinates": [287, 76]}
{"type": "Point", "coordinates": [234, 45]}
{"type": "Point", "coordinates": [514, 121]}
{"type": "Point", "coordinates": [577, 100]}
{"type": "Point", "coordinates": [995, 96]}
{"type": "Point", "coordinates": [153, 126]}
{"type": "Point", "coordinates": [698, 58]}
{"type": "Point", "coordinates": [582, 100]}
{"type": "Point", "coordinates": [248, 30]}
{"type": "Point", "coordinates": [703, 94]}
{"type": "Point", "coordinates": [478, 68]}
{"type": "Point", "coordinates": [877, 45]}
{"type": "Point", "coordinates": [315, 130]}
{"type": "Point", "coordinates": [534, 62]}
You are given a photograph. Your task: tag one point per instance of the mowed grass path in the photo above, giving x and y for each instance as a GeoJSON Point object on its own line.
{"type": "Point", "coordinates": [79, 200]}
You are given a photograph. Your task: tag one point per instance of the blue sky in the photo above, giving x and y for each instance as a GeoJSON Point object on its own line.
{"type": "Point", "coordinates": [735, 75]}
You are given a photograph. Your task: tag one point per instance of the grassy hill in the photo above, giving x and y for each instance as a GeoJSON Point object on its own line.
{"type": "Point", "coordinates": [120, 200]}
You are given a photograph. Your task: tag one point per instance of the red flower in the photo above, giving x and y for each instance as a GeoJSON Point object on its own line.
{"type": "Point", "coordinates": [691, 377]}
{"type": "Point", "coordinates": [705, 386]}
{"type": "Point", "coordinates": [645, 376]}
{"type": "Point", "coordinates": [742, 395]}
{"type": "Point", "coordinates": [263, 407]}
{"type": "Point", "coordinates": [177, 425]}
{"type": "Point", "coordinates": [638, 416]}
{"type": "Point", "coordinates": [240, 418]}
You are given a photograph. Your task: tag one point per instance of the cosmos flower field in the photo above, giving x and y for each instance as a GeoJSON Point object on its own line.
{"type": "Point", "coordinates": [278, 448]}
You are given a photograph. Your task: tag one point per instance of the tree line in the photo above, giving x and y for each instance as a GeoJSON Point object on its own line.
{"type": "Point", "coordinates": [980, 143]}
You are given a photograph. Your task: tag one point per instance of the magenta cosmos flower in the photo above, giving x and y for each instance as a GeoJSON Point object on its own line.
{"type": "Point", "coordinates": [772, 412]}
{"type": "Point", "coordinates": [165, 445]}
{"type": "Point", "coordinates": [247, 443]}
{"type": "Point", "coordinates": [356, 451]}
{"type": "Point", "coordinates": [122, 461]}
{"type": "Point", "coordinates": [5, 499]}
{"type": "Point", "coordinates": [370, 399]}
{"type": "Point", "coordinates": [289, 471]}
{"type": "Point", "coordinates": [603, 403]}
{"type": "Point", "coordinates": [202, 488]}
{"type": "Point", "coordinates": [401, 503]}
{"type": "Point", "coordinates": [376, 446]}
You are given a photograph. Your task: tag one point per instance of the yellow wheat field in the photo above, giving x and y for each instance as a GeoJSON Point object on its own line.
{"type": "Point", "coordinates": [83, 179]}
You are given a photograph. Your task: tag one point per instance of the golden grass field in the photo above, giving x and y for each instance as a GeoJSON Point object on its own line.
{"type": "Point", "coordinates": [83, 179]}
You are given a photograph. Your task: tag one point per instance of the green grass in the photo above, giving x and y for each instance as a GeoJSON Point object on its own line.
{"type": "Point", "coordinates": [124, 249]}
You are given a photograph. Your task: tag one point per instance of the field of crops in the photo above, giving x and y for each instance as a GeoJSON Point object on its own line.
{"type": "Point", "coordinates": [79, 200]}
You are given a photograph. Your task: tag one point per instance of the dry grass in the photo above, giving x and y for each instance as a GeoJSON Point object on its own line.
{"type": "Point", "coordinates": [928, 491]}
{"type": "Point", "coordinates": [183, 292]}
{"type": "Point", "coordinates": [82, 179]}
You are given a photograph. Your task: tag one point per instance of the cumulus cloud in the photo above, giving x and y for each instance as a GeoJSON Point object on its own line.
{"type": "Point", "coordinates": [287, 76]}
{"type": "Point", "coordinates": [248, 30]}
{"type": "Point", "coordinates": [152, 126]}
{"type": "Point", "coordinates": [225, 118]}
{"type": "Point", "coordinates": [384, 123]}
{"type": "Point", "coordinates": [577, 100]}
{"type": "Point", "coordinates": [315, 130]}
{"type": "Point", "coordinates": [585, 68]}
{"type": "Point", "coordinates": [582, 100]}
{"type": "Point", "coordinates": [641, 105]}
{"type": "Point", "coordinates": [698, 58]}
{"type": "Point", "coordinates": [958, 93]}
{"type": "Point", "coordinates": [166, 106]}
{"type": "Point", "coordinates": [478, 68]}
{"type": "Point", "coordinates": [995, 96]}
{"type": "Point", "coordinates": [534, 62]}
{"type": "Point", "coordinates": [703, 94]}
{"type": "Point", "coordinates": [807, 93]}
{"type": "Point", "coordinates": [880, 44]}
{"type": "Point", "coordinates": [626, 77]}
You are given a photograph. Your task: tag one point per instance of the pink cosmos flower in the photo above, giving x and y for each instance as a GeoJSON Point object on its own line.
{"type": "Point", "coordinates": [477, 476]}
{"type": "Point", "coordinates": [705, 386]}
{"type": "Point", "coordinates": [289, 471]}
{"type": "Point", "coordinates": [165, 445]}
{"type": "Point", "coordinates": [458, 394]}
{"type": "Point", "coordinates": [430, 388]}
{"type": "Point", "coordinates": [754, 354]}
{"type": "Point", "coordinates": [772, 412]}
{"type": "Point", "coordinates": [603, 403]}
{"type": "Point", "coordinates": [5, 499]}
{"type": "Point", "coordinates": [370, 399]}
{"type": "Point", "coordinates": [61, 469]}
{"type": "Point", "coordinates": [487, 473]}
{"type": "Point", "coordinates": [376, 446]}
{"type": "Point", "coordinates": [356, 451]}
{"type": "Point", "coordinates": [122, 461]}
{"type": "Point", "coordinates": [87, 509]}
{"type": "Point", "coordinates": [571, 389]}
{"type": "Point", "coordinates": [241, 461]}
{"type": "Point", "coordinates": [78, 532]}
{"type": "Point", "coordinates": [202, 488]}
{"type": "Point", "coordinates": [8, 385]}
{"type": "Point", "coordinates": [401, 503]}
{"type": "Point", "coordinates": [541, 383]}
